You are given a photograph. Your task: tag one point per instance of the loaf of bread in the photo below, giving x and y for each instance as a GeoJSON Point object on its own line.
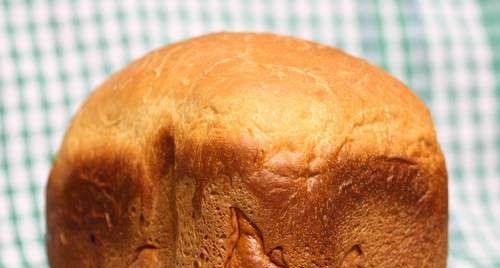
{"type": "Point", "coordinates": [249, 150]}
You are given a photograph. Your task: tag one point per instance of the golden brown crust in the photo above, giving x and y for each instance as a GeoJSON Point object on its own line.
{"type": "Point", "coordinates": [249, 150]}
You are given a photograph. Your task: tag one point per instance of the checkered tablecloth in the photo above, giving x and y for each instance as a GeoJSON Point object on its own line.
{"type": "Point", "coordinates": [53, 52]}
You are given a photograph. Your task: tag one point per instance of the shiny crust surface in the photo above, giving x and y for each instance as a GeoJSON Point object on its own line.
{"type": "Point", "coordinates": [249, 150]}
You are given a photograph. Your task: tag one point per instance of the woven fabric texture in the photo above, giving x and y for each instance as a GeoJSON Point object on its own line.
{"type": "Point", "coordinates": [54, 52]}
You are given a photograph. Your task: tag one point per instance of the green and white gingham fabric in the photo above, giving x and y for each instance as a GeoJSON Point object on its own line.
{"type": "Point", "coordinates": [53, 52]}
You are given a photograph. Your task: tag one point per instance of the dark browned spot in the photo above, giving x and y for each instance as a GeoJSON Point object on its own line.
{"type": "Point", "coordinates": [92, 238]}
{"type": "Point", "coordinates": [197, 199]}
{"type": "Point", "coordinates": [94, 204]}
{"type": "Point", "coordinates": [166, 150]}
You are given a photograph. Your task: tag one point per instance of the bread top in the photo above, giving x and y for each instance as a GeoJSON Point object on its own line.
{"type": "Point", "coordinates": [239, 103]}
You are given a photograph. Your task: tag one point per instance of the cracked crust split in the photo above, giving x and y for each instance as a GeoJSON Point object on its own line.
{"type": "Point", "coordinates": [246, 247]}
